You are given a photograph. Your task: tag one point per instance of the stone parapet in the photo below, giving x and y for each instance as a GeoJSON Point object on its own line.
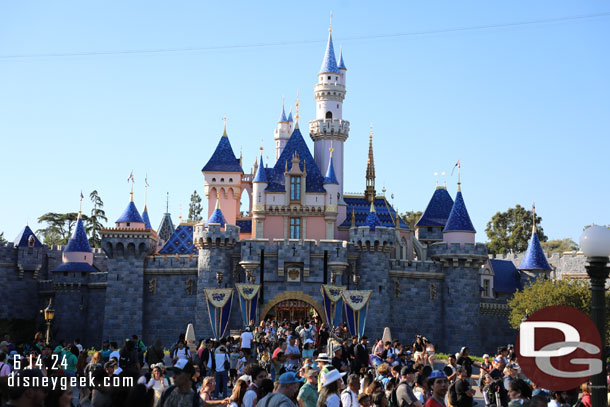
{"type": "Point", "coordinates": [214, 236]}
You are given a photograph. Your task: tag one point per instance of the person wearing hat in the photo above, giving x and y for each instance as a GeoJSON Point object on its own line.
{"type": "Point", "coordinates": [511, 373]}
{"type": "Point", "coordinates": [308, 395]}
{"type": "Point", "coordinates": [438, 384]}
{"type": "Point", "coordinates": [287, 387]}
{"type": "Point", "coordinates": [324, 367]}
{"type": "Point", "coordinates": [333, 384]}
{"type": "Point", "coordinates": [182, 393]}
{"type": "Point", "coordinates": [157, 382]}
{"type": "Point", "coordinates": [404, 391]}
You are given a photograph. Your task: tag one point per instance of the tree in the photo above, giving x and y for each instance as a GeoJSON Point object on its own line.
{"type": "Point", "coordinates": [411, 218]}
{"type": "Point", "coordinates": [575, 293]}
{"type": "Point", "coordinates": [559, 245]}
{"type": "Point", "coordinates": [59, 227]}
{"type": "Point", "coordinates": [510, 231]}
{"type": "Point", "coordinates": [195, 207]}
{"type": "Point", "coordinates": [2, 239]}
{"type": "Point", "coordinates": [95, 224]}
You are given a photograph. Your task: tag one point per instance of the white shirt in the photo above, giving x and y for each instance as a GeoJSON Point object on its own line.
{"type": "Point", "coordinates": [246, 339]}
{"type": "Point", "coordinates": [182, 353]}
{"type": "Point", "coordinates": [333, 401]}
{"type": "Point", "coordinates": [249, 398]}
{"type": "Point", "coordinates": [220, 361]}
{"type": "Point", "coordinates": [292, 350]}
{"type": "Point", "coordinates": [349, 398]}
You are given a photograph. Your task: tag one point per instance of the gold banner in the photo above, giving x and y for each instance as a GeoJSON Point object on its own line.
{"type": "Point", "coordinates": [218, 297]}
{"type": "Point", "coordinates": [333, 292]}
{"type": "Point", "coordinates": [357, 299]}
{"type": "Point", "coordinates": [247, 291]}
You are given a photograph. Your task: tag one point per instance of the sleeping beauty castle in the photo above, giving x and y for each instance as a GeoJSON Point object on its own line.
{"type": "Point", "coordinates": [305, 248]}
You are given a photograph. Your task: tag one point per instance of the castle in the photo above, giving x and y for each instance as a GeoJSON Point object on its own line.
{"type": "Point", "coordinates": [301, 231]}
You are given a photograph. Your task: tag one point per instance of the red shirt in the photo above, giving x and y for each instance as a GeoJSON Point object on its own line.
{"type": "Point", "coordinates": [432, 402]}
{"type": "Point", "coordinates": [276, 352]}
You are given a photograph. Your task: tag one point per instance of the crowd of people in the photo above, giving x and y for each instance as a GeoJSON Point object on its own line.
{"type": "Point", "coordinates": [273, 364]}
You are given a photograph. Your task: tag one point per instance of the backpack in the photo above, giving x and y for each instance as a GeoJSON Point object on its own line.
{"type": "Point", "coordinates": [169, 390]}
{"type": "Point", "coordinates": [346, 391]}
{"type": "Point", "coordinates": [393, 402]}
{"type": "Point", "coordinates": [494, 393]}
{"type": "Point", "coordinates": [125, 360]}
{"type": "Point", "coordinates": [453, 398]}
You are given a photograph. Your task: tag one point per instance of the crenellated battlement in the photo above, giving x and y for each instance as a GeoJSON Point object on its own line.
{"type": "Point", "coordinates": [363, 238]}
{"type": "Point", "coordinates": [214, 236]}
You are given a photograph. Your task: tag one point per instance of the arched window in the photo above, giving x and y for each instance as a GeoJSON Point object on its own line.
{"type": "Point", "coordinates": [213, 179]}
{"type": "Point", "coordinates": [230, 179]}
{"type": "Point", "coordinates": [329, 115]}
{"type": "Point", "coordinates": [222, 180]}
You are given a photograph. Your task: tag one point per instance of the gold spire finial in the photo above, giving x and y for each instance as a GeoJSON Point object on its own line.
{"type": "Point", "coordinates": [80, 211]}
{"type": "Point", "coordinates": [331, 149]}
{"type": "Point", "coordinates": [217, 201]}
{"type": "Point", "coordinates": [224, 119]}
{"type": "Point", "coordinates": [353, 218]}
{"type": "Point", "coordinates": [533, 217]}
{"type": "Point", "coordinates": [370, 192]}
{"type": "Point", "coordinates": [372, 207]}
{"type": "Point", "coordinates": [330, 24]}
{"type": "Point", "coordinates": [459, 174]}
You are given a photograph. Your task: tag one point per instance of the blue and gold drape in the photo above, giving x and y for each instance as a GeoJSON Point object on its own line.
{"type": "Point", "coordinates": [333, 303]}
{"type": "Point", "coordinates": [248, 301]}
{"type": "Point", "coordinates": [356, 308]}
{"type": "Point", "coordinates": [219, 302]}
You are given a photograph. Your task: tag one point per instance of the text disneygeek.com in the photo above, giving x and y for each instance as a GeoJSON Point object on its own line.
{"type": "Point", "coordinates": [63, 382]}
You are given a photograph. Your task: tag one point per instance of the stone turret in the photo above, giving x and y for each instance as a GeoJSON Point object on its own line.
{"type": "Point", "coordinates": [534, 264]}
{"type": "Point", "coordinates": [216, 242]}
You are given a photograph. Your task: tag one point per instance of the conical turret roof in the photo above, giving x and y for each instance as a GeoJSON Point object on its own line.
{"type": "Point", "coordinates": [459, 220]}
{"type": "Point", "coordinates": [130, 214]}
{"type": "Point", "coordinates": [329, 63]}
{"type": "Point", "coordinates": [22, 238]}
{"type": "Point", "coordinates": [534, 258]}
{"type": "Point", "coordinates": [372, 220]}
{"type": "Point", "coordinates": [330, 177]}
{"type": "Point", "coordinates": [341, 63]}
{"type": "Point", "coordinates": [146, 219]}
{"type": "Point", "coordinates": [217, 216]}
{"type": "Point", "coordinates": [79, 241]}
{"type": "Point", "coordinates": [223, 159]}
{"type": "Point", "coordinates": [261, 175]}
{"type": "Point", "coordinates": [438, 209]}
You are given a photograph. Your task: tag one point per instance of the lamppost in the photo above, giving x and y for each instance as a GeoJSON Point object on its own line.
{"type": "Point", "coordinates": [49, 314]}
{"type": "Point", "coordinates": [595, 244]}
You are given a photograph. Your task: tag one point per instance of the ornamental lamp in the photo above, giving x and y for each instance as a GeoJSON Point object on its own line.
{"type": "Point", "coordinates": [49, 313]}
{"type": "Point", "coordinates": [595, 241]}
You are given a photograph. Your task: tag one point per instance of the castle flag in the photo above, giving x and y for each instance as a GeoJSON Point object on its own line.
{"type": "Point", "coordinates": [356, 309]}
{"type": "Point", "coordinates": [248, 301]}
{"type": "Point", "coordinates": [219, 302]}
{"type": "Point", "coordinates": [333, 303]}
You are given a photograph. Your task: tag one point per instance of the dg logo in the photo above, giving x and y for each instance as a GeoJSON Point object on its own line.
{"type": "Point", "coordinates": [559, 348]}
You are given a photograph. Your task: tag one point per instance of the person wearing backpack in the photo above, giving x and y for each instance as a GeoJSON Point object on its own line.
{"type": "Point", "coordinates": [128, 361]}
{"type": "Point", "coordinates": [349, 396]}
{"type": "Point", "coordinates": [402, 395]}
{"type": "Point", "coordinates": [181, 392]}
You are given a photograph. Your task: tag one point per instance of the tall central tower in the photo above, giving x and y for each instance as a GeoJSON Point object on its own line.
{"type": "Point", "coordinates": [329, 129]}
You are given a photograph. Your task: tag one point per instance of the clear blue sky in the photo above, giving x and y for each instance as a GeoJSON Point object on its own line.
{"type": "Point", "coordinates": [525, 107]}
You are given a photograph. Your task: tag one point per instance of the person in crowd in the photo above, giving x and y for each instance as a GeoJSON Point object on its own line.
{"type": "Point", "coordinates": [105, 351]}
{"type": "Point", "coordinates": [59, 397]}
{"type": "Point", "coordinates": [519, 393]}
{"type": "Point", "coordinates": [585, 395]}
{"type": "Point", "coordinates": [288, 386]}
{"type": "Point", "coordinates": [465, 361]}
{"type": "Point", "coordinates": [383, 373]}
{"type": "Point", "coordinates": [333, 384]}
{"type": "Point", "coordinates": [5, 369]}
{"type": "Point", "coordinates": [364, 400]}
{"type": "Point", "coordinates": [379, 399]}
{"type": "Point", "coordinates": [158, 382]}
{"type": "Point", "coordinates": [239, 391]}
{"type": "Point", "coordinates": [155, 353]}
{"type": "Point", "coordinates": [253, 394]}
{"type": "Point", "coordinates": [181, 351]}
{"type": "Point", "coordinates": [464, 391]}
{"type": "Point", "coordinates": [438, 385]}
{"type": "Point", "coordinates": [405, 396]}
{"type": "Point", "coordinates": [222, 371]}
{"type": "Point", "coordinates": [349, 396]}
{"type": "Point", "coordinates": [27, 396]}
{"type": "Point", "coordinates": [308, 394]}
{"type": "Point", "coordinates": [511, 373]}
{"type": "Point", "coordinates": [374, 387]}
{"type": "Point", "coordinates": [246, 340]}
{"type": "Point", "coordinates": [557, 399]}
{"type": "Point", "coordinates": [420, 388]}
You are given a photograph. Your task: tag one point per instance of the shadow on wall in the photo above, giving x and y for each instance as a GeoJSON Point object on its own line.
{"type": "Point", "coordinates": [20, 330]}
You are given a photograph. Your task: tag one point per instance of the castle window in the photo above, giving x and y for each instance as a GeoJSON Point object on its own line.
{"type": "Point", "coordinates": [222, 180]}
{"type": "Point", "coordinates": [230, 179]}
{"type": "Point", "coordinates": [295, 228]}
{"type": "Point", "coordinates": [295, 188]}
{"type": "Point", "coordinates": [128, 224]}
{"type": "Point", "coordinates": [336, 78]}
{"type": "Point", "coordinates": [487, 285]}
{"type": "Point", "coordinates": [213, 179]}
{"type": "Point", "coordinates": [329, 115]}
{"type": "Point", "coordinates": [329, 78]}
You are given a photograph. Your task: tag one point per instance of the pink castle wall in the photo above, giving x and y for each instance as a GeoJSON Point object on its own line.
{"type": "Point", "coordinates": [458, 237]}
{"type": "Point", "coordinates": [316, 228]}
{"type": "Point", "coordinates": [273, 227]}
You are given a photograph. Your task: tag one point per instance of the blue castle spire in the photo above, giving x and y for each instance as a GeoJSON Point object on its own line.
{"type": "Point", "coordinates": [459, 220]}
{"type": "Point", "coordinates": [130, 214]}
{"type": "Point", "coordinates": [341, 63]}
{"type": "Point", "coordinates": [78, 242]}
{"type": "Point", "coordinates": [223, 159]}
{"type": "Point", "coordinates": [261, 175]}
{"type": "Point", "coordinates": [22, 238]}
{"type": "Point", "coordinates": [372, 220]}
{"type": "Point", "coordinates": [283, 118]}
{"type": "Point", "coordinates": [534, 258]}
{"type": "Point", "coordinates": [329, 63]}
{"type": "Point", "coordinates": [438, 209]}
{"type": "Point", "coordinates": [290, 116]}
{"type": "Point", "coordinates": [217, 216]}
{"type": "Point", "coordinates": [146, 219]}
{"type": "Point", "coordinates": [330, 177]}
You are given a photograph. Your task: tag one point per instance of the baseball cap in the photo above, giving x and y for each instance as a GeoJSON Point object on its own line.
{"type": "Point", "coordinates": [289, 378]}
{"type": "Point", "coordinates": [183, 365]}
{"type": "Point", "coordinates": [406, 370]}
{"type": "Point", "coordinates": [437, 374]}
{"type": "Point", "coordinates": [110, 364]}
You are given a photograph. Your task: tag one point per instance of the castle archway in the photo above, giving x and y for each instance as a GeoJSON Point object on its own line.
{"type": "Point", "coordinates": [295, 300]}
